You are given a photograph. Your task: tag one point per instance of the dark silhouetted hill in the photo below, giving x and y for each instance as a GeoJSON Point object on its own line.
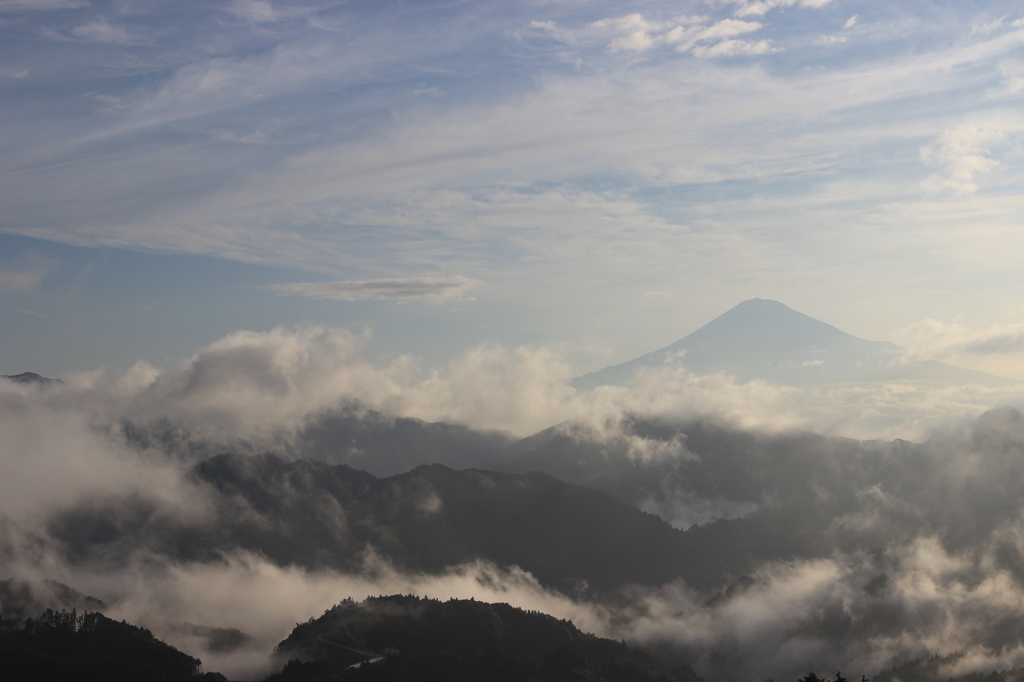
{"type": "Point", "coordinates": [60, 646]}
{"type": "Point", "coordinates": [351, 434]}
{"type": "Point", "coordinates": [30, 378]}
{"type": "Point", "coordinates": [383, 446]}
{"type": "Point", "coordinates": [401, 638]}
{"type": "Point", "coordinates": [315, 514]}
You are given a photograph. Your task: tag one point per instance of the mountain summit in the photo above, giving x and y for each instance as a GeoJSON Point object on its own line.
{"type": "Point", "coordinates": [763, 339]}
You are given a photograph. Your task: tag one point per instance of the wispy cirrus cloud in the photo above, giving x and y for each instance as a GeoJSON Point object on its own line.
{"type": "Point", "coordinates": [609, 148]}
{"type": "Point", "coordinates": [32, 5]}
{"type": "Point", "coordinates": [25, 274]}
{"type": "Point", "coordinates": [102, 31]}
{"type": "Point", "coordinates": [264, 12]}
{"type": "Point", "coordinates": [255, 11]}
{"type": "Point", "coordinates": [434, 289]}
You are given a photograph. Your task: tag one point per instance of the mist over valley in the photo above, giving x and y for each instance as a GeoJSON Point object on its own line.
{"type": "Point", "coordinates": [270, 477]}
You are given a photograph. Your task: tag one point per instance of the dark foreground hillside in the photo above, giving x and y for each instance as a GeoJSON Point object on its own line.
{"type": "Point", "coordinates": [934, 668]}
{"type": "Point", "coordinates": [60, 646]}
{"type": "Point", "coordinates": [400, 638]}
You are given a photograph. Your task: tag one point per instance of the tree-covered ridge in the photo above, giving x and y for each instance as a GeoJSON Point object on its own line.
{"type": "Point", "coordinates": [408, 638]}
{"type": "Point", "coordinates": [929, 669]}
{"type": "Point", "coordinates": [21, 599]}
{"type": "Point", "coordinates": [317, 515]}
{"type": "Point", "coordinates": [942, 669]}
{"type": "Point", "coordinates": [63, 645]}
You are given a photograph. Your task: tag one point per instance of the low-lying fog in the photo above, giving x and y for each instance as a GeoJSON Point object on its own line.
{"type": "Point", "coordinates": [870, 551]}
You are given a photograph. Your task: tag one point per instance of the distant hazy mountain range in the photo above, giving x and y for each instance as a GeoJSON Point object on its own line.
{"type": "Point", "coordinates": [349, 434]}
{"type": "Point", "coordinates": [761, 339]}
{"type": "Point", "coordinates": [756, 497]}
{"type": "Point", "coordinates": [29, 378]}
{"type": "Point", "coordinates": [21, 599]}
{"type": "Point", "coordinates": [313, 514]}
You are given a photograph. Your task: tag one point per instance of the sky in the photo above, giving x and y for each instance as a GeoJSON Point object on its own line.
{"type": "Point", "coordinates": [597, 178]}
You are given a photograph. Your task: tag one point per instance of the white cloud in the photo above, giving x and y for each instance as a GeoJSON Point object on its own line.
{"type": "Point", "coordinates": [745, 126]}
{"type": "Point", "coordinates": [63, 447]}
{"type": "Point", "coordinates": [263, 385]}
{"type": "Point", "coordinates": [861, 612]}
{"type": "Point", "coordinates": [1013, 76]}
{"type": "Point", "coordinates": [638, 34]}
{"type": "Point", "coordinates": [569, 126]}
{"type": "Point", "coordinates": [549, 29]}
{"type": "Point", "coordinates": [989, 26]}
{"type": "Point", "coordinates": [732, 48]}
{"type": "Point", "coordinates": [55, 457]}
{"type": "Point", "coordinates": [934, 339]}
{"type": "Point", "coordinates": [761, 7]}
{"type": "Point", "coordinates": [929, 599]}
{"type": "Point", "coordinates": [258, 12]}
{"type": "Point", "coordinates": [960, 152]}
{"type": "Point", "coordinates": [252, 384]}
{"type": "Point", "coordinates": [945, 603]}
{"type": "Point", "coordinates": [219, 594]}
{"type": "Point", "coordinates": [729, 28]}
{"type": "Point", "coordinates": [851, 22]}
{"type": "Point", "coordinates": [255, 11]}
{"type": "Point", "coordinates": [407, 289]}
{"type": "Point", "coordinates": [830, 40]}
{"type": "Point", "coordinates": [635, 34]}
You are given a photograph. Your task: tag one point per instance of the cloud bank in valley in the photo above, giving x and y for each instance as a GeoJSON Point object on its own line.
{"type": "Point", "coordinates": [918, 592]}
{"type": "Point", "coordinates": [257, 383]}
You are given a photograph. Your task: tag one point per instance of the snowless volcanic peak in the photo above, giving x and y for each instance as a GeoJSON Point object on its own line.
{"type": "Point", "coordinates": [29, 378]}
{"type": "Point", "coordinates": [764, 339]}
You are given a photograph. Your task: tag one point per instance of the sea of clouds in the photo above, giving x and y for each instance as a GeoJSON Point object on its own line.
{"type": "Point", "coordinates": [861, 610]}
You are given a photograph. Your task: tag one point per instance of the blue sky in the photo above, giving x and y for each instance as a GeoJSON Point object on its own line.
{"type": "Point", "coordinates": [596, 177]}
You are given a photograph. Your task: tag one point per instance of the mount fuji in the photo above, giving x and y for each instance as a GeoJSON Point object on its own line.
{"type": "Point", "coordinates": [763, 339]}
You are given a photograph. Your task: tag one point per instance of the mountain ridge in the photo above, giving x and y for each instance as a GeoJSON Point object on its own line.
{"type": "Point", "coordinates": [767, 340]}
{"type": "Point", "coordinates": [411, 638]}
